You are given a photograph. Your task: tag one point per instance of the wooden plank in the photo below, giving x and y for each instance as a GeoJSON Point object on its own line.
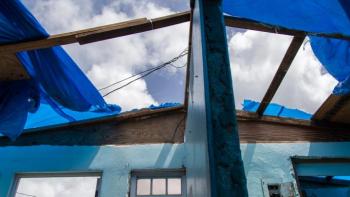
{"type": "Point", "coordinates": [11, 68]}
{"type": "Point", "coordinates": [281, 72]}
{"type": "Point", "coordinates": [156, 23]}
{"type": "Point", "coordinates": [242, 23]}
{"type": "Point", "coordinates": [342, 114]}
{"type": "Point", "coordinates": [102, 32]}
{"type": "Point", "coordinates": [244, 115]}
{"type": "Point", "coordinates": [167, 126]}
{"type": "Point", "coordinates": [61, 39]}
{"type": "Point", "coordinates": [324, 111]}
{"type": "Point", "coordinates": [255, 131]}
{"type": "Point", "coordinates": [154, 126]}
{"type": "Point", "coordinates": [141, 25]}
{"type": "Point", "coordinates": [335, 109]}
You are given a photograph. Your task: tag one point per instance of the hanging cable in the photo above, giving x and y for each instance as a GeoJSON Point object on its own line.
{"type": "Point", "coordinates": [25, 194]}
{"type": "Point", "coordinates": [115, 83]}
{"type": "Point", "coordinates": [147, 72]}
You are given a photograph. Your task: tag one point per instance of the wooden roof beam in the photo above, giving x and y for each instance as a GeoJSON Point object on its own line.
{"type": "Point", "coordinates": [99, 33]}
{"type": "Point", "coordinates": [335, 110]}
{"type": "Point", "coordinates": [281, 72]}
{"type": "Point", "coordinates": [242, 23]}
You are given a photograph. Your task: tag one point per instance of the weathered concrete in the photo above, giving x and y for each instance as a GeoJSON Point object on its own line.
{"type": "Point", "coordinates": [216, 167]}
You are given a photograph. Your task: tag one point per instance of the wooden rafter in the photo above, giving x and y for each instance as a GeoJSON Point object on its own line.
{"type": "Point", "coordinates": [99, 33]}
{"type": "Point", "coordinates": [335, 109]}
{"type": "Point", "coordinates": [287, 60]}
{"type": "Point", "coordinates": [156, 23]}
{"type": "Point", "coordinates": [141, 25]}
{"type": "Point", "coordinates": [242, 23]}
{"type": "Point", "coordinates": [281, 72]}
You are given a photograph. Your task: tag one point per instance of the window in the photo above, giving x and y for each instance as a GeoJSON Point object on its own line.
{"type": "Point", "coordinates": [322, 176]}
{"type": "Point", "coordinates": [85, 184]}
{"type": "Point", "coordinates": [147, 183]}
{"type": "Point", "coordinates": [274, 190]}
{"type": "Point", "coordinates": [276, 187]}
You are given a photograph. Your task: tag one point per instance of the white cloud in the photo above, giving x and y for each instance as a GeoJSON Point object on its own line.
{"type": "Point", "coordinates": [112, 60]}
{"type": "Point", "coordinates": [255, 57]}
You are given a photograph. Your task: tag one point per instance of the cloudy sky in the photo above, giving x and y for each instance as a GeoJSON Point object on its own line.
{"type": "Point", "coordinates": [254, 56]}
{"type": "Point", "coordinates": [112, 60]}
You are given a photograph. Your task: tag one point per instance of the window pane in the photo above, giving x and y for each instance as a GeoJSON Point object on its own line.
{"type": "Point", "coordinates": [174, 186]}
{"type": "Point", "coordinates": [57, 186]}
{"type": "Point", "coordinates": [158, 186]}
{"type": "Point", "coordinates": [143, 186]}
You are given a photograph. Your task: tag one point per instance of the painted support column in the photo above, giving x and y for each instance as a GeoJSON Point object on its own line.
{"type": "Point", "coordinates": [214, 162]}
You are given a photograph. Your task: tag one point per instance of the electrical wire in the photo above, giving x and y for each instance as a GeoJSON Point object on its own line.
{"type": "Point", "coordinates": [151, 69]}
{"type": "Point", "coordinates": [25, 194]}
{"type": "Point", "coordinates": [115, 83]}
{"type": "Point", "coordinates": [147, 72]}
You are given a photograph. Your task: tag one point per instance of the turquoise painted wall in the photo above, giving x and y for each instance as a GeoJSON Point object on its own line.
{"type": "Point", "coordinates": [261, 161]}
{"type": "Point", "coordinates": [115, 162]}
{"type": "Point", "coordinates": [272, 161]}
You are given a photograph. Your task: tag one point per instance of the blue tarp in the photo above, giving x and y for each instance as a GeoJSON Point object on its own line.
{"type": "Point", "coordinates": [56, 79]}
{"type": "Point", "coordinates": [317, 16]}
{"type": "Point", "coordinates": [164, 105]}
{"type": "Point", "coordinates": [46, 116]}
{"type": "Point", "coordinates": [274, 109]}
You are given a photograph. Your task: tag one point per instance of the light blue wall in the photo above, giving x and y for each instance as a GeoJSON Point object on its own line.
{"type": "Point", "coordinates": [272, 161]}
{"type": "Point", "coordinates": [262, 161]}
{"type": "Point", "coordinates": [115, 162]}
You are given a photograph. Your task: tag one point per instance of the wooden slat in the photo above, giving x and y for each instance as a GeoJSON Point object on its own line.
{"type": "Point", "coordinates": [324, 111]}
{"type": "Point", "coordinates": [99, 33]}
{"type": "Point", "coordinates": [156, 23]}
{"type": "Point", "coordinates": [244, 115]}
{"type": "Point", "coordinates": [335, 109]}
{"type": "Point", "coordinates": [255, 131]}
{"type": "Point", "coordinates": [242, 23]}
{"type": "Point", "coordinates": [281, 72]}
{"type": "Point", "coordinates": [271, 129]}
{"type": "Point", "coordinates": [60, 39]}
{"type": "Point", "coordinates": [142, 127]}
{"type": "Point", "coordinates": [11, 68]}
{"type": "Point", "coordinates": [141, 25]}
{"type": "Point", "coordinates": [168, 125]}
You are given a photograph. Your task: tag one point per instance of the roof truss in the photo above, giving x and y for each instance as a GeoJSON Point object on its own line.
{"type": "Point", "coordinates": [335, 109]}
{"type": "Point", "coordinates": [100, 33]}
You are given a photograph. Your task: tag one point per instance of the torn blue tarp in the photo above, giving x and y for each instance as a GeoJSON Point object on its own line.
{"type": "Point", "coordinates": [317, 16]}
{"type": "Point", "coordinates": [276, 110]}
{"type": "Point", "coordinates": [164, 105]}
{"type": "Point", "coordinates": [55, 78]}
{"type": "Point", "coordinates": [46, 116]}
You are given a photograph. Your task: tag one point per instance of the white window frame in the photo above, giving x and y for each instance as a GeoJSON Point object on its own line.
{"type": "Point", "coordinates": [155, 174]}
{"type": "Point", "coordinates": [20, 175]}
